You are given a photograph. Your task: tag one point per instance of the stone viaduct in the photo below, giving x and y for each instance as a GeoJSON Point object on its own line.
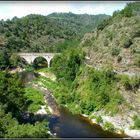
{"type": "Point", "coordinates": [30, 57]}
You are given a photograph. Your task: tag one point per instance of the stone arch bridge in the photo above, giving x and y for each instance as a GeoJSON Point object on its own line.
{"type": "Point", "coordinates": [30, 57]}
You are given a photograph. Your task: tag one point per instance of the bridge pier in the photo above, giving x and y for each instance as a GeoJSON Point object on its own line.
{"type": "Point", "coordinates": [48, 63]}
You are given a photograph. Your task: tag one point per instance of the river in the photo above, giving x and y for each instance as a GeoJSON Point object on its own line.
{"type": "Point", "coordinates": [77, 126]}
{"type": "Point", "coordinates": [67, 125]}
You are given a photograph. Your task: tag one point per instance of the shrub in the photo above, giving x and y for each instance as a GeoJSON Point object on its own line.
{"type": "Point", "coordinates": [115, 13]}
{"type": "Point", "coordinates": [95, 47]}
{"type": "Point", "coordinates": [88, 42]}
{"type": "Point", "coordinates": [135, 82]}
{"type": "Point", "coordinates": [119, 59]}
{"type": "Point", "coordinates": [130, 84]}
{"type": "Point", "coordinates": [99, 119]}
{"type": "Point", "coordinates": [110, 35]}
{"type": "Point", "coordinates": [92, 116]}
{"type": "Point", "coordinates": [117, 98]}
{"type": "Point", "coordinates": [115, 51]}
{"type": "Point", "coordinates": [34, 99]}
{"type": "Point", "coordinates": [137, 122]}
{"type": "Point", "coordinates": [127, 11]}
{"type": "Point", "coordinates": [104, 23]}
{"type": "Point", "coordinates": [126, 42]}
{"type": "Point", "coordinates": [110, 74]}
{"type": "Point", "coordinates": [106, 42]}
{"type": "Point", "coordinates": [108, 126]}
{"type": "Point", "coordinates": [29, 68]}
{"type": "Point", "coordinates": [126, 82]}
{"type": "Point", "coordinates": [134, 117]}
{"type": "Point", "coordinates": [136, 33]}
{"type": "Point", "coordinates": [137, 61]}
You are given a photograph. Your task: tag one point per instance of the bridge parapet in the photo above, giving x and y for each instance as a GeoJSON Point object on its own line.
{"type": "Point", "coordinates": [37, 54]}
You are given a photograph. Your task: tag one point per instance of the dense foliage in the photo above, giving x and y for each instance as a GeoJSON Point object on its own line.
{"type": "Point", "coordinates": [66, 65]}
{"type": "Point", "coordinates": [94, 90]}
{"type": "Point", "coordinates": [131, 9]}
{"type": "Point", "coordinates": [131, 83]}
{"type": "Point", "coordinates": [11, 93]}
{"type": "Point", "coordinates": [4, 60]}
{"type": "Point", "coordinates": [13, 104]}
{"type": "Point", "coordinates": [89, 90]}
{"type": "Point", "coordinates": [11, 60]}
{"type": "Point", "coordinates": [35, 99]}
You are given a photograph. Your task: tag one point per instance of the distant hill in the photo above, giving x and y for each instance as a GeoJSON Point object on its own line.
{"type": "Point", "coordinates": [116, 42]}
{"type": "Point", "coordinates": [38, 33]}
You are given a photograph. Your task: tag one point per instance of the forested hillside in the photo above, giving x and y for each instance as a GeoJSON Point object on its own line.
{"type": "Point", "coordinates": [52, 33]}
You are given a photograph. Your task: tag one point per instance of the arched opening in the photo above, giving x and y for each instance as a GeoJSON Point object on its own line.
{"type": "Point", "coordinates": [39, 62]}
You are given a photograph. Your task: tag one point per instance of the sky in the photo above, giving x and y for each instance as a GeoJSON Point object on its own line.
{"type": "Point", "coordinates": [10, 9]}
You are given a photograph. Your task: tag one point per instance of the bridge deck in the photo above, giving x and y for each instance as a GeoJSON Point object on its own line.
{"type": "Point", "coordinates": [36, 54]}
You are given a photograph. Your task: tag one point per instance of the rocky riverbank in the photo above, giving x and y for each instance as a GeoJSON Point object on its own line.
{"type": "Point", "coordinates": [49, 99]}
{"type": "Point", "coordinates": [121, 124]}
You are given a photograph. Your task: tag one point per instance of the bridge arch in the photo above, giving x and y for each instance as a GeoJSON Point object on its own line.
{"type": "Point", "coordinates": [40, 61]}
{"type": "Point", "coordinates": [30, 57]}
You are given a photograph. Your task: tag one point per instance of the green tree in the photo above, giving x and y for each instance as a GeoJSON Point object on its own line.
{"type": "Point", "coordinates": [66, 65]}
{"type": "Point", "coordinates": [4, 60]}
{"type": "Point", "coordinates": [37, 130]}
{"type": "Point", "coordinates": [12, 105]}
{"type": "Point", "coordinates": [127, 11]}
{"type": "Point", "coordinates": [12, 93]}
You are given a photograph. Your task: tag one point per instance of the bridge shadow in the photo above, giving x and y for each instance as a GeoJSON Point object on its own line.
{"type": "Point", "coordinates": [33, 118]}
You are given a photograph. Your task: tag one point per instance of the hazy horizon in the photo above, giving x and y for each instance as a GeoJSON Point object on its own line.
{"type": "Point", "coordinates": [8, 10]}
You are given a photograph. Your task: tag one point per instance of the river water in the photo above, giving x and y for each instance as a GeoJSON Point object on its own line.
{"type": "Point", "coordinates": [67, 125]}
{"type": "Point", "coordinates": [77, 126]}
